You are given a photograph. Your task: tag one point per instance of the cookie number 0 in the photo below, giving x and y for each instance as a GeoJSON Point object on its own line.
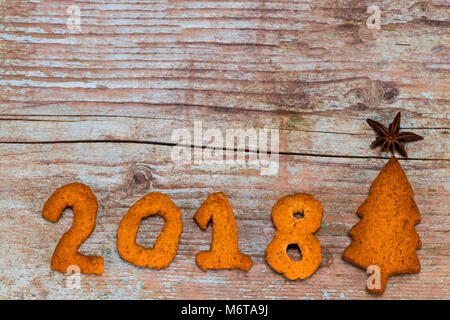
{"type": "Point", "coordinates": [84, 205]}
{"type": "Point", "coordinates": [166, 245]}
{"type": "Point", "coordinates": [291, 230]}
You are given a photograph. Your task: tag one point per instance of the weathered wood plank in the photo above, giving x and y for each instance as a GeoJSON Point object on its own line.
{"type": "Point", "coordinates": [30, 173]}
{"type": "Point", "coordinates": [337, 134]}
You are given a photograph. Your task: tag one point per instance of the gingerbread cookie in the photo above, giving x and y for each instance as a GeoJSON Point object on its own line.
{"type": "Point", "coordinates": [386, 238]}
{"type": "Point", "coordinates": [84, 205]}
{"type": "Point", "coordinates": [166, 245]}
{"type": "Point", "coordinates": [291, 230]}
{"type": "Point", "coordinates": [224, 253]}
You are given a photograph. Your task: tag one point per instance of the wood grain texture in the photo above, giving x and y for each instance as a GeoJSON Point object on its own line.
{"type": "Point", "coordinates": [99, 107]}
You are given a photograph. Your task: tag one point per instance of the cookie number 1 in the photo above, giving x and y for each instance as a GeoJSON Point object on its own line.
{"type": "Point", "coordinates": [291, 230]}
{"type": "Point", "coordinates": [84, 205]}
{"type": "Point", "coordinates": [224, 253]}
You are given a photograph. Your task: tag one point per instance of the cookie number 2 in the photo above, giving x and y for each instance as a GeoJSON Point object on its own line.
{"type": "Point", "coordinates": [84, 205]}
{"type": "Point", "coordinates": [291, 230]}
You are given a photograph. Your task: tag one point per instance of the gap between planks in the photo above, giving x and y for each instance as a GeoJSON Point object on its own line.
{"type": "Point", "coordinates": [301, 154]}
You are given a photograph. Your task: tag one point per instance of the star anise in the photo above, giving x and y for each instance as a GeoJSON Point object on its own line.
{"type": "Point", "coordinates": [392, 139]}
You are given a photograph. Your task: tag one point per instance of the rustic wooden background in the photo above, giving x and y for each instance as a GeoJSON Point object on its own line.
{"type": "Point", "coordinates": [99, 107]}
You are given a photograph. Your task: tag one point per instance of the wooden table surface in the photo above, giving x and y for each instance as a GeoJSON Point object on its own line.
{"type": "Point", "coordinates": [100, 106]}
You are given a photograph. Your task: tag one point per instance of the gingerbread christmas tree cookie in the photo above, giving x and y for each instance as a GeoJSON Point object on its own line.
{"type": "Point", "coordinates": [385, 240]}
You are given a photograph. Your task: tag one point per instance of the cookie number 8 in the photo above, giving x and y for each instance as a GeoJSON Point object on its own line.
{"type": "Point", "coordinates": [291, 230]}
